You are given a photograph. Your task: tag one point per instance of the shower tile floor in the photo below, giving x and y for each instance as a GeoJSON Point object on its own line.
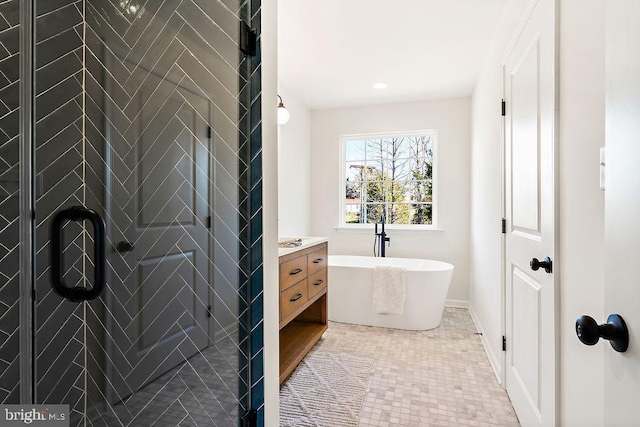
{"type": "Point", "coordinates": [440, 377]}
{"type": "Point", "coordinates": [202, 391]}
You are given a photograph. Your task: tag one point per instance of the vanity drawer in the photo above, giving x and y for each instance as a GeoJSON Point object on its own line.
{"type": "Point", "coordinates": [317, 260]}
{"type": "Point", "coordinates": [317, 282]}
{"type": "Point", "coordinates": [292, 299]}
{"type": "Point", "coordinates": [292, 271]}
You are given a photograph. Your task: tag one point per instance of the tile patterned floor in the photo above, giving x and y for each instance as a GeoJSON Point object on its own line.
{"type": "Point", "coordinates": [438, 378]}
{"type": "Point", "coordinates": [202, 391]}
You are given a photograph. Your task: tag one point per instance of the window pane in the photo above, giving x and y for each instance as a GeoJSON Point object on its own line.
{"type": "Point", "coordinates": [353, 213]}
{"type": "Point", "coordinates": [400, 169]}
{"type": "Point", "coordinates": [373, 213]}
{"type": "Point", "coordinates": [400, 147]}
{"type": "Point", "coordinates": [389, 158]}
{"type": "Point", "coordinates": [421, 146]}
{"type": "Point", "coordinates": [355, 171]}
{"type": "Point", "coordinates": [354, 150]}
{"type": "Point", "coordinates": [387, 191]}
{"type": "Point", "coordinates": [422, 149]}
{"type": "Point", "coordinates": [373, 192]}
{"type": "Point", "coordinates": [353, 192]}
{"type": "Point", "coordinates": [376, 169]}
{"type": "Point", "coordinates": [398, 213]}
{"type": "Point", "coordinates": [421, 191]}
{"type": "Point", "coordinates": [397, 191]}
{"type": "Point", "coordinates": [376, 149]}
{"type": "Point", "coordinates": [421, 213]}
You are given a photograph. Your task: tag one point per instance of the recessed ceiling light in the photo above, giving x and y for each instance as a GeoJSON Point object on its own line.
{"type": "Point", "coordinates": [380, 85]}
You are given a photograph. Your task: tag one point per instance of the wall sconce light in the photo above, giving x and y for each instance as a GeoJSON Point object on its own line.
{"type": "Point", "coordinates": [283, 113]}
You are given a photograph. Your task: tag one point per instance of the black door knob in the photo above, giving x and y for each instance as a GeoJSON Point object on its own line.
{"type": "Point", "coordinates": [615, 331]}
{"type": "Point", "coordinates": [124, 246]}
{"type": "Point", "coordinates": [546, 264]}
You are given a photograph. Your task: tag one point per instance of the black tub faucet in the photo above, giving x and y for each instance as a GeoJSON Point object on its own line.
{"type": "Point", "coordinates": [381, 239]}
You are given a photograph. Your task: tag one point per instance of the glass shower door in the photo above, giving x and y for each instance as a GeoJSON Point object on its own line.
{"type": "Point", "coordinates": [144, 118]}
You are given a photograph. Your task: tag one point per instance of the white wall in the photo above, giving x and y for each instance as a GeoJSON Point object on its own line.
{"type": "Point", "coordinates": [582, 106]}
{"type": "Point", "coordinates": [580, 256]}
{"type": "Point", "coordinates": [486, 189]}
{"type": "Point", "coordinates": [452, 120]}
{"type": "Point", "coordinates": [294, 170]}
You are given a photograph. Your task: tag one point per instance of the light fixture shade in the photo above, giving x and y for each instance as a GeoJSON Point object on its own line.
{"type": "Point", "coordinates": [283, 114]}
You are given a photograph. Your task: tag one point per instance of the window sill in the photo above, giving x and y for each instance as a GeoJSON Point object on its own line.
{"type": "Point", "coordinates": [390, 229]}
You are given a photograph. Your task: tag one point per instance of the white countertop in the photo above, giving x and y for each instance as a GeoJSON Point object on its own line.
{"type": "Point", "coordinates": [307, 242]}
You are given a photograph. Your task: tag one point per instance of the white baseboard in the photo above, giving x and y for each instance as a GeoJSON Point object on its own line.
{"type": "Point", "coordinates": [457, 303]}
{"type": "Point", "coordinates": [493, 359]}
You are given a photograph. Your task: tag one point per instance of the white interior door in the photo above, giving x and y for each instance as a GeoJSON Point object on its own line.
{"type": "Point", "coordinates": [531, 296]}
{"type": "Point", "coordinates": [622, 209]}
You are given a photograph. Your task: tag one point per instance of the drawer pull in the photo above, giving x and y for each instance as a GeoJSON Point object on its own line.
{"type": "Point", "coordinates": [318, 283]}
{"type": "Point", "coordinates": [296, 271]}
{"type": "Point", "coordinates": [296, 298]}
{"type": "Point", "coordinates": [318, 261]}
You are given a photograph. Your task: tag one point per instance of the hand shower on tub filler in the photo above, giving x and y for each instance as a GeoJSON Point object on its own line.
{"type": "Point", "coordinates": [380, 239]}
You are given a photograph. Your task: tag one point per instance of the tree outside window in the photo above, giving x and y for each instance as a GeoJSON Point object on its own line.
{"type": "Point", "coordinates": [390, 174]}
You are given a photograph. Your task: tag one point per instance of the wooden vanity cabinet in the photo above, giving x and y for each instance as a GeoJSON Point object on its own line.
{"type": "Point", "coordinates": [303, 304]}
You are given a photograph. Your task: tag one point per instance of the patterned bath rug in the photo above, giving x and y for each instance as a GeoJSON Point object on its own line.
{"type": "Point", "coordinates": [325, 390]}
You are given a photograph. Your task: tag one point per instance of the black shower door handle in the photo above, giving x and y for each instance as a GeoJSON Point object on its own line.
{"type": "Point", "coordinates": [79, 293]}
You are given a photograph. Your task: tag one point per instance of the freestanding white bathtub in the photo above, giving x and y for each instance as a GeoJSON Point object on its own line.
{"type": "Point", "coordinates": [351, 292]}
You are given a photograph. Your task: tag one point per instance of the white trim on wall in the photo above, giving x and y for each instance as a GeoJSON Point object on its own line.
{"type": "Point", "coordinates": [502, 378]}
{"type": "Point", "coordinates": [456, 303]}
{"type": "Point", "coordinates": [271, 295]}
{"type": "Point", "coordinates": [494, 361]}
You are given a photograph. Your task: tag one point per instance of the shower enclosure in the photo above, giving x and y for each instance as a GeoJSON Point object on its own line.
{"type": "Point", "coordinates": [130, 210]}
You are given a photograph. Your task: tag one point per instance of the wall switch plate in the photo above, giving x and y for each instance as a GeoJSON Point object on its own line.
{"type": "Point", "coordinates": [602, 167]}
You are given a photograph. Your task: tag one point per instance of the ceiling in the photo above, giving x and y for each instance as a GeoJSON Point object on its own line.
{"type": "Point", "coordinates": [331, 52]}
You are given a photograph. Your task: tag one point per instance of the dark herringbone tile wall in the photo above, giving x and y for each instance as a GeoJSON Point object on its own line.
{"type": "Point", "coordinates": [59, 324]}
{"type": "Point", "coordinates": [147, 112]}
{"type": "Point", "coordinates": [9, 201]}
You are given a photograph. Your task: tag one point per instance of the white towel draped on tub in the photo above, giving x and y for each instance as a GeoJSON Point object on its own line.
{"type": "Point", "coordinates": [389, 289]}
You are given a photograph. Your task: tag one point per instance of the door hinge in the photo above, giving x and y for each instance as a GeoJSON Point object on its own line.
{"type": "Point", "coordinates": [208, 311]}
{"type": "Point", "coordinates": [209, 132]}
{"type": "Point", "coordinates": [504, 343]}
{"type": "Point", "coordinates": [248, 39]}
{"type": "Point", "coordinates": [504, 226]}
{"type": "Point", "coordinates": [504, 108]}
{"type": "Point", "coordinates": [208, 222]}
{"type": "Point", "coordinates": [249, 419]}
